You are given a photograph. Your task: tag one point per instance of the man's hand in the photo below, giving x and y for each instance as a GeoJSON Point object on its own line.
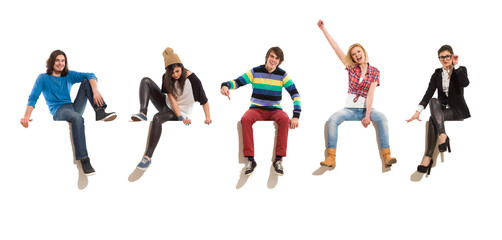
{"type": "Point", "coordinates": [225, 91]}
{"type": "Point", "coordinates": [294, 123]}
{"type": "Point", "coordinates": [25, 121]}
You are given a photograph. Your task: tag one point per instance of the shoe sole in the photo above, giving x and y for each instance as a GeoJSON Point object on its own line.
{"type": "Point", "coordinates": [391, 162]}
{"type": "Point", "coordinates": [90, 174]}
{"type": "Point", "coordinates": [325, 165]}
{"type": "Point", "coordinates": [110, 117]}
{"type": "Point", "coordinates": [279, 174]}
{"type": "Point", "coordinates": [137, 119]}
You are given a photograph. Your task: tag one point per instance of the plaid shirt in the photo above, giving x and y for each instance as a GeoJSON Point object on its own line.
{"type": "Point", "coordinates": [361, 89]}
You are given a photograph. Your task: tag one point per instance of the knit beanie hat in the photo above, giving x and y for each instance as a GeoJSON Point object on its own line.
{"type": "Point", "coordinates": [170, 57]}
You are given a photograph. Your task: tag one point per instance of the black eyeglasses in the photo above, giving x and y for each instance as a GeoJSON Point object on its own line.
{"type": "Point", "coordinates": [447, 57]}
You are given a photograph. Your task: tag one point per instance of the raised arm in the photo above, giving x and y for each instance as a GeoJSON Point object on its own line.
{"type": "Point", "coordinates": [332, 42]}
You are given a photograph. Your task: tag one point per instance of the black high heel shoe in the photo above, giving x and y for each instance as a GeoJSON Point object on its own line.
{"type": "Point", "coordinates": [425, 169]}
{"type": "Point", "coordinates": [442, 147]}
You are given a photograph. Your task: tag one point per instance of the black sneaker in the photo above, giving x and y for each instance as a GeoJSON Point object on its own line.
{"type": "Point", "coordinates": [86, 167]}
{"type": "Point", "coordinates": [250, 166]}
{"type": "Point", "coordinates": [101, 115]}
{"type": "Point", "coordinates": [278, 167]}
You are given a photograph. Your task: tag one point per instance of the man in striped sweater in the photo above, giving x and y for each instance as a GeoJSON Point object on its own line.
{"type": "Point", "coordinates": [267, 81]}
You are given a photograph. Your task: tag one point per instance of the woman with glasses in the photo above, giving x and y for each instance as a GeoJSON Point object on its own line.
{"type": "Point", "coordinates": [450, 105]}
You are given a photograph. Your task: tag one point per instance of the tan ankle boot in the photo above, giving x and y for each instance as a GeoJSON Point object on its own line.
{"type": "Point", "coordinates": [387, 159]}
{"type": "Point", "coordinates": [330, 159]}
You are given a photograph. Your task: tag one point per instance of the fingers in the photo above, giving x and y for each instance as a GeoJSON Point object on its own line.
{"type": "Point", "coordinates": [294, 123]}
{"type": "Point", "coordinates": [320, 24]}
{"type": "Point", "coordinates": [225, 91]}
{"type": "Point", "coordinates": [98, 100]}
{"type": "Point", "coordinates": [25, 122]}
{"type": "Point", "coordinates": [208, 121]}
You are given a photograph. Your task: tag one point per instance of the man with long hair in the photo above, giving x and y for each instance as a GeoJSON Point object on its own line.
{"type": "Point", "coordinates": [56, 84]}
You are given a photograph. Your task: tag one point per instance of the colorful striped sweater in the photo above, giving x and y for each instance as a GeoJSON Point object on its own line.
{"type": "Point", "coordinates": [267, 88]}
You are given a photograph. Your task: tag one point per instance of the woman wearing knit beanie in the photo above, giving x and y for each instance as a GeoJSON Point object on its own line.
{"type": "Point", "coordinates": [174, 101]}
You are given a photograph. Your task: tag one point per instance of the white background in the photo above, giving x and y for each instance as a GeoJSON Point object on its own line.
{"type": "Point", "coordinates": [193, 189]}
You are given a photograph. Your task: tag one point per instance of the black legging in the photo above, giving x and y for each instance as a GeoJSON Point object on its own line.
{"type": "Point", "coordinates": [439, 115]}
{"type": "Point", "coordinates": [148, 90]}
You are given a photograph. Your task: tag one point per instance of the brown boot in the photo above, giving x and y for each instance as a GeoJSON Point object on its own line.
{"type": "Point", "coordinates": [387, 159]}
{"type": "Point", "coordinates": [330, 159]}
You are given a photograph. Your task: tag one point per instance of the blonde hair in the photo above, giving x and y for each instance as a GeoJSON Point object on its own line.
{"type": "Point", "coordinates": [348, 61]}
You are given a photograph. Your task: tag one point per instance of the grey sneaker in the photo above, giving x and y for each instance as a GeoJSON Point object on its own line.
{"type": "Point", "coordinates": [278, 167]}
{"type": "Point", "coordinates": [250, 166]}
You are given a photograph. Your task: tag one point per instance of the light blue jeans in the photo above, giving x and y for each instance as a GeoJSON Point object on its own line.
{"type": "Point", "coordinates": [357, 114]}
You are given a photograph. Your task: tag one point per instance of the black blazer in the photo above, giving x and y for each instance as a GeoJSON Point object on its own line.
{"type": "Point", "coordinates": [455, 96]}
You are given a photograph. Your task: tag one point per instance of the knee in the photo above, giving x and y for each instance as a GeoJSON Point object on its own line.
{"type": "Point", "coordinates": [335, 119]}
{"type": "Point", "coordinates": [283, 120]}
{"type": "Point", "coordinates": [378, 117]}
{"type": "Point", "coordinates": [146, 80]}
{"type": "Point", "coordinates": [246, 120]}
{"type": "Point", "coordinates": [156, 119]}
{"type": "Point", "coordinates": [434, 102]}
{"type": "Point", "coordinates": [77, 119]}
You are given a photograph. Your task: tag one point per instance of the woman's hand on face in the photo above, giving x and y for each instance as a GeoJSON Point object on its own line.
{"type": "Point", "coordinates": [366, 121]}
{"type": "Point", "coordinates": [415, 116]}
{"type": "Point", "coordinates": [455, 60]}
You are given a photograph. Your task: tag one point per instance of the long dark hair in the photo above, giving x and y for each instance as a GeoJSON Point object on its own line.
{"type": "Point", "coordinates": [49, 64]}
{"type": "Point", "coordinates": [170, 84]}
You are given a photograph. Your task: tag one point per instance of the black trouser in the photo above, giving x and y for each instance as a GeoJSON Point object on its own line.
{"type": "Point", "coordinates": [439, 114]}
{"type": "Point", "coordinates": [148, 90]}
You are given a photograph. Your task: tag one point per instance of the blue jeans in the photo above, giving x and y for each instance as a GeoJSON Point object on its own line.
{"type": "Point", "coordinates": [357, 114]}
{"type": "Point", "coordinates": [72, 112]}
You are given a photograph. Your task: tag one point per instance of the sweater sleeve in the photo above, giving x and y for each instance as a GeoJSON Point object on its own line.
{"type": "Point", "coordinates": [77, 77]}
{"type": "Point", "coordinates": [244, 79]}
{"type": "Point", "coordinates": [295, 96]}
{"type": "Point", "coordinates": [198, 91]}
{"type": "Point", "coordinates": [36, 91]}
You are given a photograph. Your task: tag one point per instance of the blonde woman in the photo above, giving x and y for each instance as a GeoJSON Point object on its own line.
{"type": "Point", "coordinates": [363, 80]}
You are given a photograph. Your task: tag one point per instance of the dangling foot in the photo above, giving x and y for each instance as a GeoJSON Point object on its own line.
{"type": "Point", "coordinates": [101, 115]}
{"type": "Point", "coordinates": [138, 117]}
{"type": "Point", "coordinates": [445, 143]}
{"type": "Point", "coordinates": [250, 166]}
{"type": "Point", "coordinates": [426, 165]}
{"type": "Point", "coordinates": [87, 167]}
{"type": "Point", "coordinates": [387, 159]}
{"type": "Point", "coordinates": [278, 166]}
{"type": "Point", "coordinates": [330, 160]}
{"type": "Point", "coordinates": [145, 163]}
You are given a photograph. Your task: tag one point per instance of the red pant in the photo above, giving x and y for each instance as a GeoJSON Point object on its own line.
{"type": "Point", "coordinates": [251, 116]}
